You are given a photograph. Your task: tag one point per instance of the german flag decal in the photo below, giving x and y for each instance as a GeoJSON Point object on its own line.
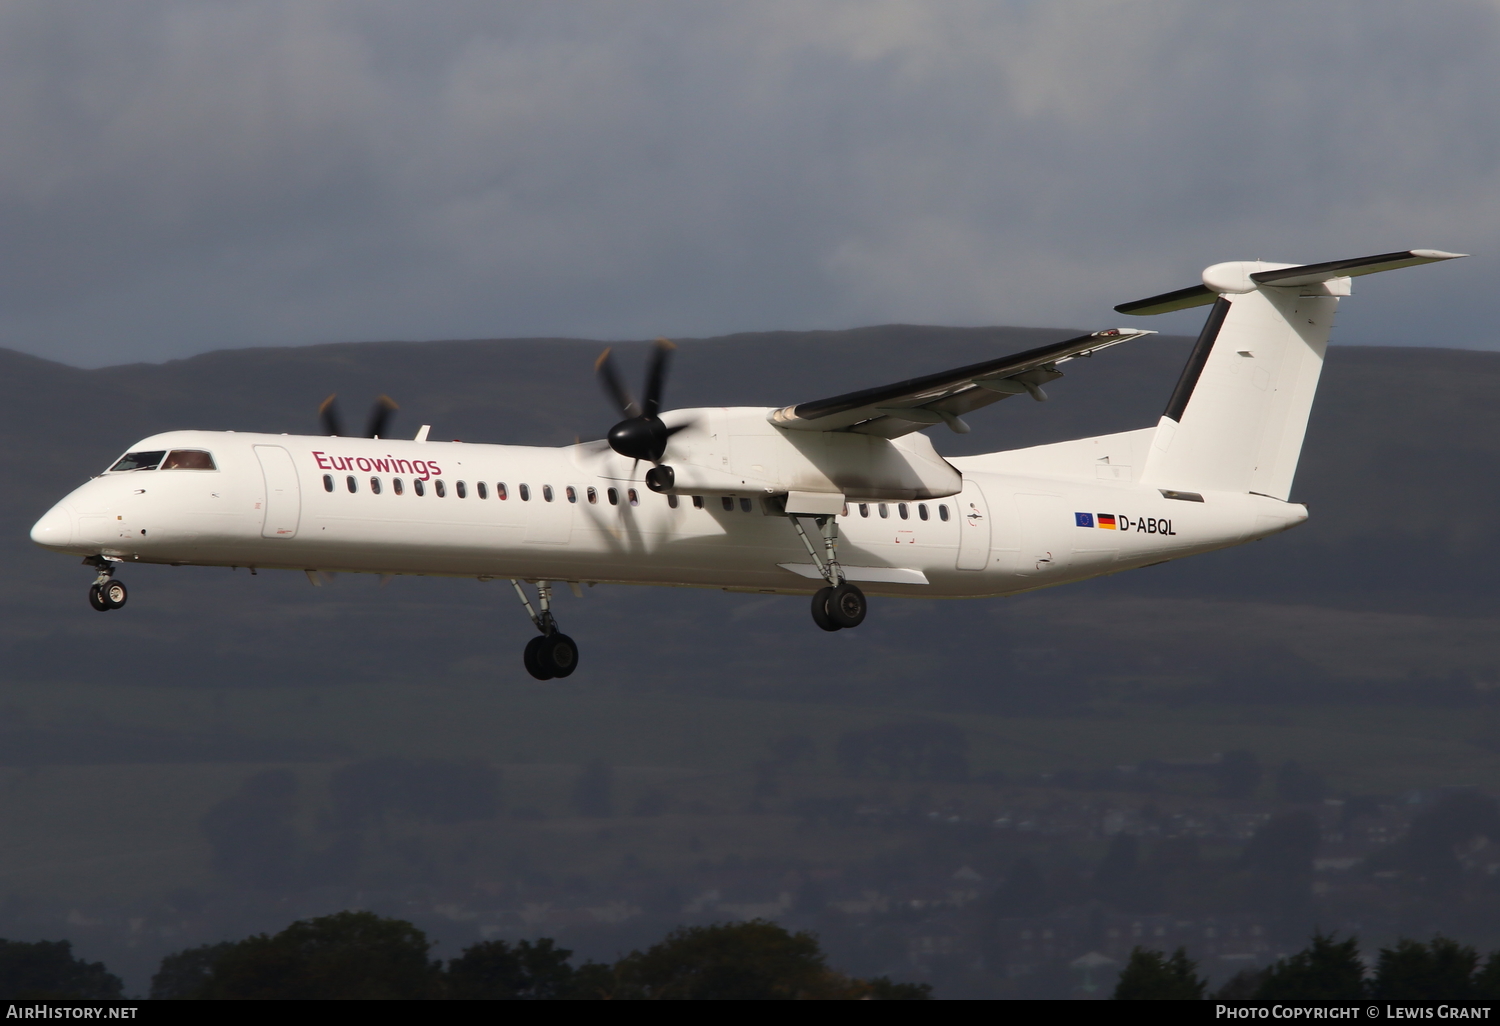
{"type": "Point", "coordinates": [1107, 521]}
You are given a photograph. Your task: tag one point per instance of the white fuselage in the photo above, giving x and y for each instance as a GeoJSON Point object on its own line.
{"type": "Point", "coordinates": [1023, 519]}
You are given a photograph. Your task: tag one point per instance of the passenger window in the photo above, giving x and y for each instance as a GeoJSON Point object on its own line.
{"type": "Point", "coordinates": [745, 505]}
{"type": "Point", "coordinates": [901, 509]}
{"type": "Point", "coordinates": [614, 496]}
{"type": "Point", "coordinates": [728, 504]}
{"type": "Point", "coordinates": [524, 491]}
{"type": "Point", "coordinates": [375, 485]}
{"type": "Point", "coordinates": [942, 513]}
{"type": "Point", "coordinates": [593, 495]}
{"type": "Point", "coordinates": [635, 500]}
{"type": "Point", "coordinates": [139, 460]}
{"type": "Point", "coordinates": [189, 459]}
{"type": "Point", "coordinates": [397, 486]}
{"type": "Point", "coordinates": [547, 493]}
{"type": "Point", "coordinates": [461, 490]}
{"type": "Point", "coordinates": [672, 501]}
{"type": "Point", "coordinates": [884, 512]}
{"type": "Point", "coordinates": [440, 488]}
{"type": "Point", "coordinates": [922, 510]}
{"type": "Point", "coordinates": [351, 484]}
{"type": "Point", "coordinates": [484, 491]}
{"type": "Point", "coordinates": [328, 482]}
{"type": "Point", "coordinates": [500, 492]}
{"type": "Point", "coordinates": [571, 493]}
{"type": "Point", "coordinates": [697, 502]}
{"type": "Point", "coordinates": [418, 487]}
{"type": "Point", "coordinates": [864, 509]}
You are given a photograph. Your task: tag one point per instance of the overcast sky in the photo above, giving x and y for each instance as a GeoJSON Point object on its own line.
{"type": "Point", "coordinates": [193, 175]}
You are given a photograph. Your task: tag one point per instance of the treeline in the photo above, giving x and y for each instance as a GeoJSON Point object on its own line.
{"type": "Point", "coordinates": [1326, 970]}
{"type": "Point", "coordinates": [363, 956]}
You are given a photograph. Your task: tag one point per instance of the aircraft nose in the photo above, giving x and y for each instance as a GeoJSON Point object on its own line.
{"type": "Point", "coordinates": [55, 529]}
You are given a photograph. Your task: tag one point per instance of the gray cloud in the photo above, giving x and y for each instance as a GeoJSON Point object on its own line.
{"type": "Point", "coordinates": [190, 175]}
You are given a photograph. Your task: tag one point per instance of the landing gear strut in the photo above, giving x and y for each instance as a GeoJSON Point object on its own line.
{"type": "Point", "coordinates": [106, 593]}
{"type": "Point", "coordinates": [553, 654]}
{"type": "Point", "coordinates": [840, 604]}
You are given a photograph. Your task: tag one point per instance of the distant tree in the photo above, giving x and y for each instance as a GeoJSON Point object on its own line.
{"type": "Point", "coordinates": [348, 955]}
{"type": "Point", "coordinates": [1487, 981]}
{"type": "Point", "coordinates": [186, 974]}
{"type": "Point", "coordinates": [1326, 970]}
{"type": "Point", "coordinates": [48, 970]}
{"type": "Point", "coordinates": [1237, 774]}
{"type": "Point", "coordinates": [1151, 976]}
{"type": "Point", "coordinates": [1242, 986]}
{"type": "Point", "coordinates": [737, 961]}
{"type": "Point", "coordinates": [1297, 784]}
{"type": "Point", "coordinates": [495, 970]}
{"type": "Point", "coordinates": [1443, 970]}
{"type": "Point", "coordinates": [594, 791]}
{"type": "Point", "coordinates": [251, 833]}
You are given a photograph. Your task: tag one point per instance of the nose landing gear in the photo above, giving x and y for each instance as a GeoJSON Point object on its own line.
{"type": "Point", "coordinates": [106, 593]}
{"type": "Point", "coordinates": [553, 654]}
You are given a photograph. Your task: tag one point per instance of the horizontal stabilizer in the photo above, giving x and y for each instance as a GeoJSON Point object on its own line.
{"type": "Point", "coordinates": [1240, 277]}
{"type": "Point", "coordinates": [1182, 299]}
{"type": "Point", "coordinates": [1309, 274]}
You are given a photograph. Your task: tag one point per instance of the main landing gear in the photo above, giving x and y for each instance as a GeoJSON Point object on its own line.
{"type": "Point", "coordinates": [553, 654]}
{"type": "Point", "coordinates": [840, 604]}
{"type": "Point", "coordinates": [106, 593]}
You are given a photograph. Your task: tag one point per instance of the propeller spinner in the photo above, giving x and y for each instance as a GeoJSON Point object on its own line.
{"type": "Point", "coordinates": [641, 435]}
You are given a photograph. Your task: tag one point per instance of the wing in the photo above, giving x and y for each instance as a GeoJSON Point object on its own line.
{"type": "Point", "coordinates": [894, 410]}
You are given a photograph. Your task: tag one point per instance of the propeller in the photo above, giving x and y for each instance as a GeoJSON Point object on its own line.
{"type": "Point", "coordinates": [380, 416]}
{"type": "Point", "coordinates": [641, 435]}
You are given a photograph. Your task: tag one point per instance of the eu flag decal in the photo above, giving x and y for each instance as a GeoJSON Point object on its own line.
{"type": "Point", "coordinates": [1084, 519]}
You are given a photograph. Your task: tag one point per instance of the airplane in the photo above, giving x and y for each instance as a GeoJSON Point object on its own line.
{"type": "Point", "coordinates": [817, 498]}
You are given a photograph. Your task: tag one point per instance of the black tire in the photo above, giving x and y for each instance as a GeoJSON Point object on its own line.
{"type": "Point", "coordinates": [820, 613]}
{"type": "Point", "coordinates": [559, 654]}
{"type": "Point", "coordinates": [533, 660]}
{"type": "Point", "coordinates": [113, 593]}
{"type": "Point", "coordinates": [97, 600]}
{"type": "Point", "coordinates": [847, 606]}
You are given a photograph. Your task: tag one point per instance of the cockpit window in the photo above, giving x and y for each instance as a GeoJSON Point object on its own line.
{"type": "Point", "coordinates": [140, 460]}
{"type": "Point", "coordinates": [189, 459]}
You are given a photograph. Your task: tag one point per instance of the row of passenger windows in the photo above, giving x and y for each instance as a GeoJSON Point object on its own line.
{"type": "Point", "coordinates": [612, 495]}
{"type": "Point", "coordinates": [903, 510]}
{"type": "Point", "coordinates": [482, 490]}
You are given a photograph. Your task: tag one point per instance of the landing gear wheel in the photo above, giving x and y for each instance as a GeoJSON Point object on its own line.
{"type": "Point", "coordinates": [113, 593]}
{"type": "Point", "coordinates": [847, 605]}
{"type": "Point", "coordinates": [531, 657]}
{"type": "Point", "coordinates": [96, 599]}
{"type": "Point", "coordinates": [559, 654]}
{"type": "Point", "coordinates": [820, 613]}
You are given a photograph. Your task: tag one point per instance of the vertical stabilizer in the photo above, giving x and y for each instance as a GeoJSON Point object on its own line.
{"type": "Point", "coordinates": [1238, 415]}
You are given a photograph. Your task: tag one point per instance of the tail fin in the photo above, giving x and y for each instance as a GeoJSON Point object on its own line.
{"type": "Point", "coordinates": [1237, 418]}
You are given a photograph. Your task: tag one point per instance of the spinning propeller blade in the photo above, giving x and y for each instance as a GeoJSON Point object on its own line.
{"type": "Point", "coordinates": [380, 416]}
{"type": "Point", "coordinates": [328, 416]}
{"type": "Point", "coordinates": [641, 435]}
